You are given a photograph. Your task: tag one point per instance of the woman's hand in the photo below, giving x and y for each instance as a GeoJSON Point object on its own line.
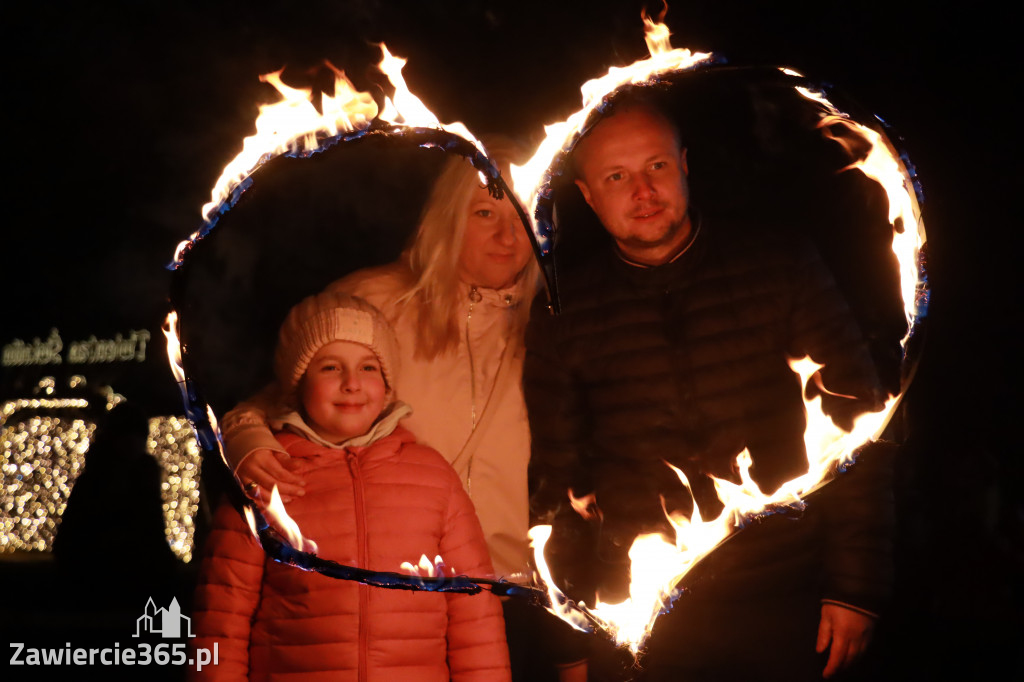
{"type": "Point", "coordinates": [261, 470]}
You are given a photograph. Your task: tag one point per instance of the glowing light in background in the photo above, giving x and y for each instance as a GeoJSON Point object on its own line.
{"type": "Point", "coordinates": [43, 456]}
{"type": "Point", "coordinates": [173, 445]}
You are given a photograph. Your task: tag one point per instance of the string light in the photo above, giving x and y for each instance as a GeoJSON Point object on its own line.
{"type": "Point", "coordinates": [42, 457]}
{"type": "Point", "coordinates": [174, 446]}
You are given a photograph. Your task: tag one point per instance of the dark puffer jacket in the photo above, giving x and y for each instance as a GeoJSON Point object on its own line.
{"type": "Point", "coordinates": [686, 363]}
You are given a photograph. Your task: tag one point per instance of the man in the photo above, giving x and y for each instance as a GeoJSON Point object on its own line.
{"type": "Point", "coordinates": [672, 347]}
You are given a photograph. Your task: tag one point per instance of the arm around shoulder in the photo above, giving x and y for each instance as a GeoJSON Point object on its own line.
{"type": "Point", "coordinates": [245, 428]}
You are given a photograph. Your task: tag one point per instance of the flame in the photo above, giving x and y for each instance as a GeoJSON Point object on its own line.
{"type": "Point", "coordinates": [406, 108]}
{"type": "Point", "coordinates": [560, 605]}
{"type": "Point", "coordinates": [560, 137]}
{"type": "Point", "coordinates": [585, 506]}
{"type": "Point", "coordinates": [658, 563]}
{"type": "Point", "coordinates": [278, 517]}
{"type": "Point", "coordinates": [250, 520]}
{"type": "Point", "coordinates": [293, 125]}
{"type": "Point", "coordinates": [426, 569]}
{"type": "Point", "coordinates": [883, 165]}
{"type": "Point", "coordinates": [170, 330]}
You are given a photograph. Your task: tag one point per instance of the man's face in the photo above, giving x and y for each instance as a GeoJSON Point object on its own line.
{"type": "Point", "coordinates": [633, 174]}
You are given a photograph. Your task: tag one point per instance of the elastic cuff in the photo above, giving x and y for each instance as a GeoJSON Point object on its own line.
{"type": "Point", "coordinates": [570, 666]}
{"type": "Point", "coordinates": [851, 607]}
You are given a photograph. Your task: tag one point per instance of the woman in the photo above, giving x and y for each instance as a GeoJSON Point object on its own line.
{"type": "Point", "coordinates": [458, 299]}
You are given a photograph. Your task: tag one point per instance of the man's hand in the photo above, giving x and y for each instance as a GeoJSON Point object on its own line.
{"type": "Point", "coordinates": [848, 632]}
{"type": "Point", "coordinates": [265, 469]}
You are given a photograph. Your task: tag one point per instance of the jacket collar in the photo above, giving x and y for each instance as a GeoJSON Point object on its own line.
{"type": "Point", "coordinates": [384, 426]}
{"type": "Point", "coordinates": [506, 298]}
{"type": "Point", "coordinates": [669, 275]}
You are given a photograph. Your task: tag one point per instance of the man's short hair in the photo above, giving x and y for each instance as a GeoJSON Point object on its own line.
{"type": "Point", "coordinates": [645, 98]}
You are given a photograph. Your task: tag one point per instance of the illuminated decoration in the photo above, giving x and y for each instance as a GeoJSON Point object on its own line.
{"type": "Point", "coordinates": [173, 445]}
{"type": "Point", "coordinates": [657, 564]}
{"type": "Point", "coordinates": [292, 126]}
{"type": "Point", "coordinates": [42, 457]}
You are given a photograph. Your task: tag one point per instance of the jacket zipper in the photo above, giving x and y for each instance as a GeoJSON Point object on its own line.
{"type": "Point", "coordinates": [474, 296]}
{"type": "Point", "coordinates": [363, 552]}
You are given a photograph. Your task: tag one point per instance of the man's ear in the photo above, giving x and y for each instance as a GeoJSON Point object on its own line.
{"type": "Point", "coordinates": [682, 162]}
{"type": "Point", "coordinates": [585, 191]}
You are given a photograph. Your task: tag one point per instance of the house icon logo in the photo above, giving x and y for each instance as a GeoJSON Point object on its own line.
{"type": "Point", "coordinates": [165, 622]}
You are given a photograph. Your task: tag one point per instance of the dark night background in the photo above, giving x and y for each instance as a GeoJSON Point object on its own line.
{"type": "Point", "coordinates": [120, 118]}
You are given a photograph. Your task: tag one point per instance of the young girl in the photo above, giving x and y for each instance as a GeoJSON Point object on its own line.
{"type": "Point", "coordinates": [374, 499]}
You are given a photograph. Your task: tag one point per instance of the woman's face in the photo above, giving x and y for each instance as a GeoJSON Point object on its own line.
{"type": "Point", "coordinates": [495, 248]}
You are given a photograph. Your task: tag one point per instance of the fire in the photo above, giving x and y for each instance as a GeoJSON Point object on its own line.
{"type": "Point", "coordinates": [585, 506]}
{"type": "Point", "coordinates": [406, 108]}
{"type": "Point", "coordinates": [658, 564]}
{"type": "Point", "coordinates": [278, 517]}
{"type": "Point", "coordinates": [170, 330]}
{"type": "Point", "coordinates": [560, 137]}
{"type": "Point", "coordinates": [425, 569]}
{"type": "Point", "coordinates": [883, 165]}
{"type": "Point", "coordinates": [293, 125]}
{"type": "Point", "coordinates": [250, 520]}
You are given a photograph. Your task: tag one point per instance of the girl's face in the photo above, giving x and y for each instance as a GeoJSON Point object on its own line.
{"type": "Point", "coordinates": [343, 391]}
{"type": "Point", "coordinates": [495, 248]}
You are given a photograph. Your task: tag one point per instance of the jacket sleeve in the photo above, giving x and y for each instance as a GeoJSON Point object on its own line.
{"type": "Point", "coordinates": [858, 506]}
{"type": "Point", "coordinates": [823, 327]}
{"type": "Point", "coordinates": [477, 650]}
{"type": "Point", "coordinates": [227, 595]}
{"type": "Point", "coordinates": [557, 420]}
{"type": "Point", "coordinates": [859, 512]}
{"type": "Point", "coordinates": [245, 428]}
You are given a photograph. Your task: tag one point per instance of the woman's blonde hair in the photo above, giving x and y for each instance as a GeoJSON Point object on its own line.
{"type": "Point", "coordinates": [433, 256]}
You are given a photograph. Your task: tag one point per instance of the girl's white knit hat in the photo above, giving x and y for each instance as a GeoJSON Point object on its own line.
{"type": "Point", "coordinates": [317, 321]}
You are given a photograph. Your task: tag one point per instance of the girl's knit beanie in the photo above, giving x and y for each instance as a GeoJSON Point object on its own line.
{"type": "Point", "coordinates": [325, 317]}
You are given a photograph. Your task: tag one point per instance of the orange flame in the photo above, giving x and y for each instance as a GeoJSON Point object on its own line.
{"type": "Point", "coordinates": [883, 165]}
{"type": "Point", "coordinates": [250, 520]}
{"type": "Point", "coordinates": [585, 506]}
{"type": "Point", "coordinates": [170, 330]}
{"type": "Point", "coordinates": [426, 569]}
{"type": "Point", "coordinates": [559, 136]}
{"type": "Point", "coordinates": [293, 125]}
{"type": "Point", "coordinates": [278, 517]}
{"type": "Point", "coordinates": [657, 564]}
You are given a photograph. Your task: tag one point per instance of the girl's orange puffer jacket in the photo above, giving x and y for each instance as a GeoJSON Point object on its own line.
{"type": "Point", "coordinates": [373, 507]}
